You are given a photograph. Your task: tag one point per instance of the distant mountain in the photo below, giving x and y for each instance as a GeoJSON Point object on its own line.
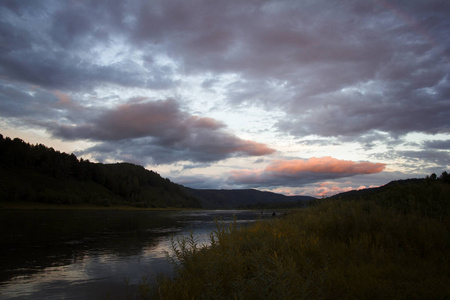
{"type": "Point", "coordinates": [248, 198]}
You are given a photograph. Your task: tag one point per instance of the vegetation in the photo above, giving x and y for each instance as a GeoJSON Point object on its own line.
{"type": "Point", "coordinates": [36, 173]}
{"type": "Point", "coordinates": [388, 244]}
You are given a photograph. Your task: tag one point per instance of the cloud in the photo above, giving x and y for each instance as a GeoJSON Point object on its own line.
{"type": "Point", "coordinates": [427, 158]}
{"type": "Point", "coordinates": [324, 165]}
{"type": "Point", "coordinates": [437, 144]}
{"type": "Point", "coordinates": [158, 132]}
{"type": "Point", "coordinates": [326, 65]}
{"type": "Point", "coordinates": [29, 103]}
{"type": "Point", "coordinates": [335, 186]}
{"type": "Point", "coordinates": [63, 46]}
{"type": "Point", "coordinates": [299, 172]}
{"type": "Point", "coordinates": [200, 181]}
{"type": "Point", "coordinates": [332, 76]}
{"type": "Point", "coordinates": [327, 72]}
{"type": "Point", "coordinates": [326, 189]}
{"type": "Point", "coordinates": [354, 115]}
{"type": "Point", "coordinates": [330, 188]}
{"type": "Point", "coordinates": [138, 131]}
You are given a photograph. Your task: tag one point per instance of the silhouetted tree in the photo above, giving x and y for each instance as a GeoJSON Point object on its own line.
{"type": "Point", "coordinates": [445, 177]}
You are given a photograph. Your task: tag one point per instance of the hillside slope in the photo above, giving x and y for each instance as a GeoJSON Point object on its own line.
{"type": "Point", "coordinates": [36, 173]}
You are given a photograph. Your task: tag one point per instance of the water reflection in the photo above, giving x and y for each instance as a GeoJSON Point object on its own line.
{"type": "Point", "coordinates": [90, 255]}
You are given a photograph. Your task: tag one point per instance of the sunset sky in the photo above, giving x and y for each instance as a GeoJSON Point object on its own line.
{"type": "Point", "coordinates": [296, 97]}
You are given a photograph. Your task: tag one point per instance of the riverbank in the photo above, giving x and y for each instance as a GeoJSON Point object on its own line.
{"type": "Point", "coordinates": [50, 206]}
{"type": "Point", "coordinates": [392, 245]}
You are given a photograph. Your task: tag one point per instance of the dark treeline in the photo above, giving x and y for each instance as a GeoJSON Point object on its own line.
{"type": "Point", "coordinates": [401, 184]}
{"type": "Point", "coordinates": [40, 174]}
{"type": "Point", "coordinates": [428, 196]}
{"type": "Point", "coordinates": [444, 177]}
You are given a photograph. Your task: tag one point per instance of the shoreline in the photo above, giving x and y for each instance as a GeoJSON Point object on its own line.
{"type": "Point", "coordinates": [50, 206]}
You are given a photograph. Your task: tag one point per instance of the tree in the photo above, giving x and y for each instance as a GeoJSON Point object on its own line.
{"type": "Point", "coordinates": [445, 177]}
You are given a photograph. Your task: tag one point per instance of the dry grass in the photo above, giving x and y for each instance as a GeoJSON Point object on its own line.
{"type": "Point", "coordinates": [359, 249]}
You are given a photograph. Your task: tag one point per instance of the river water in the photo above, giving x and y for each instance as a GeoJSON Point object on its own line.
{"type": "Point", "coordinates": [76, 254]}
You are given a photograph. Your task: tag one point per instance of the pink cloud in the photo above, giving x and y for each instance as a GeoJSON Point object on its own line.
{"type": "Point", "coordinates": [284, 191]}
{"type": "Point", "coordinates": [324, 165]}
{"type": "Point", "coordinates": [330, 188]}
{"type": "Point", "coordinates": [207, 123]}
{"type": "Point", "coordinates": [253, 148]}
{"type": "Point", "coordinates": [329, 191]}
{"type": "Point", "coordinates": [298, 172]}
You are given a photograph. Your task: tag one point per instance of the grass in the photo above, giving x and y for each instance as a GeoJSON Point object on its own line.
{"type": "Point", "coordinates": [393, 245]}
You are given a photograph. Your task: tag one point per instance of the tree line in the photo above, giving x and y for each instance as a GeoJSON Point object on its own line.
{"type": "Point", "coordinates": [41, 174]}
{"type": "Point", "coordinates": [444, 177]}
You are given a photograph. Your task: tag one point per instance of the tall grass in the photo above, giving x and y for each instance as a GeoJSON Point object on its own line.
{"type": "Point", "coordinates": [392, 246]}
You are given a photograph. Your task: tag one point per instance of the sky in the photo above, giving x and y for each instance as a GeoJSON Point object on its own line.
{"type": "Point", "coordinates": [296, 97]}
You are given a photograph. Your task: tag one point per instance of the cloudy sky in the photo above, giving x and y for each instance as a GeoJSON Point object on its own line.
{"type": "Point", "coordinates": [297, 97]}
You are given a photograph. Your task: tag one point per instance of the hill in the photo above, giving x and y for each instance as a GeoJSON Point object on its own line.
{"type": "Point", "coordinates": [36, 173]}
{"type": "Point", "coordinates": [391, 186]}
{"type": "Point", "coordinates": [246, 198]}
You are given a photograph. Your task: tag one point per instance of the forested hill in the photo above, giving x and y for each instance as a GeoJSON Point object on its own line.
{"type": "Point", "coordinates": [37, 173]}
{"type": "Point", "coordinates": [396, 187]}
{"type": "Point", "coordinates": [247, 199]}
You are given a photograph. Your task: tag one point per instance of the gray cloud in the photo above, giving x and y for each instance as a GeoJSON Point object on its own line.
{"type": "Point", "coordinates": [60, 47]}
{"type": "Point", "coordinates": [439, 158]}
{"type": "Point", "coordinates": [139, 131]}
{"type": "Point", "coordinates": [437, 144]}
{"type": "Point", "coordinates": [422, 161]}
{"type": "Point", "coordinates": [201, 181]}
{"type": "Point", "coordinates": [19, 101]}
{"type": "Point", "coordinates": [386, 52]}
{"type": "Point", "coordinates": [369, 71]}
{"type": "Point", "coordinates": [158, 132]}
{"type": "Point", "coordinates": [345, 70]}
{"type": "Point", "coordinates": [355, 114]}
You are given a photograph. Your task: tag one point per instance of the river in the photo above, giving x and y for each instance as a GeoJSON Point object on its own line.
{"type": "Point", "coordinates": [79, 254]}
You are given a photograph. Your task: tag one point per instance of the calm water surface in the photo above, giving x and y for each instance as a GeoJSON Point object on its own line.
{"type": "Point", "coordinates": [69, 254]}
